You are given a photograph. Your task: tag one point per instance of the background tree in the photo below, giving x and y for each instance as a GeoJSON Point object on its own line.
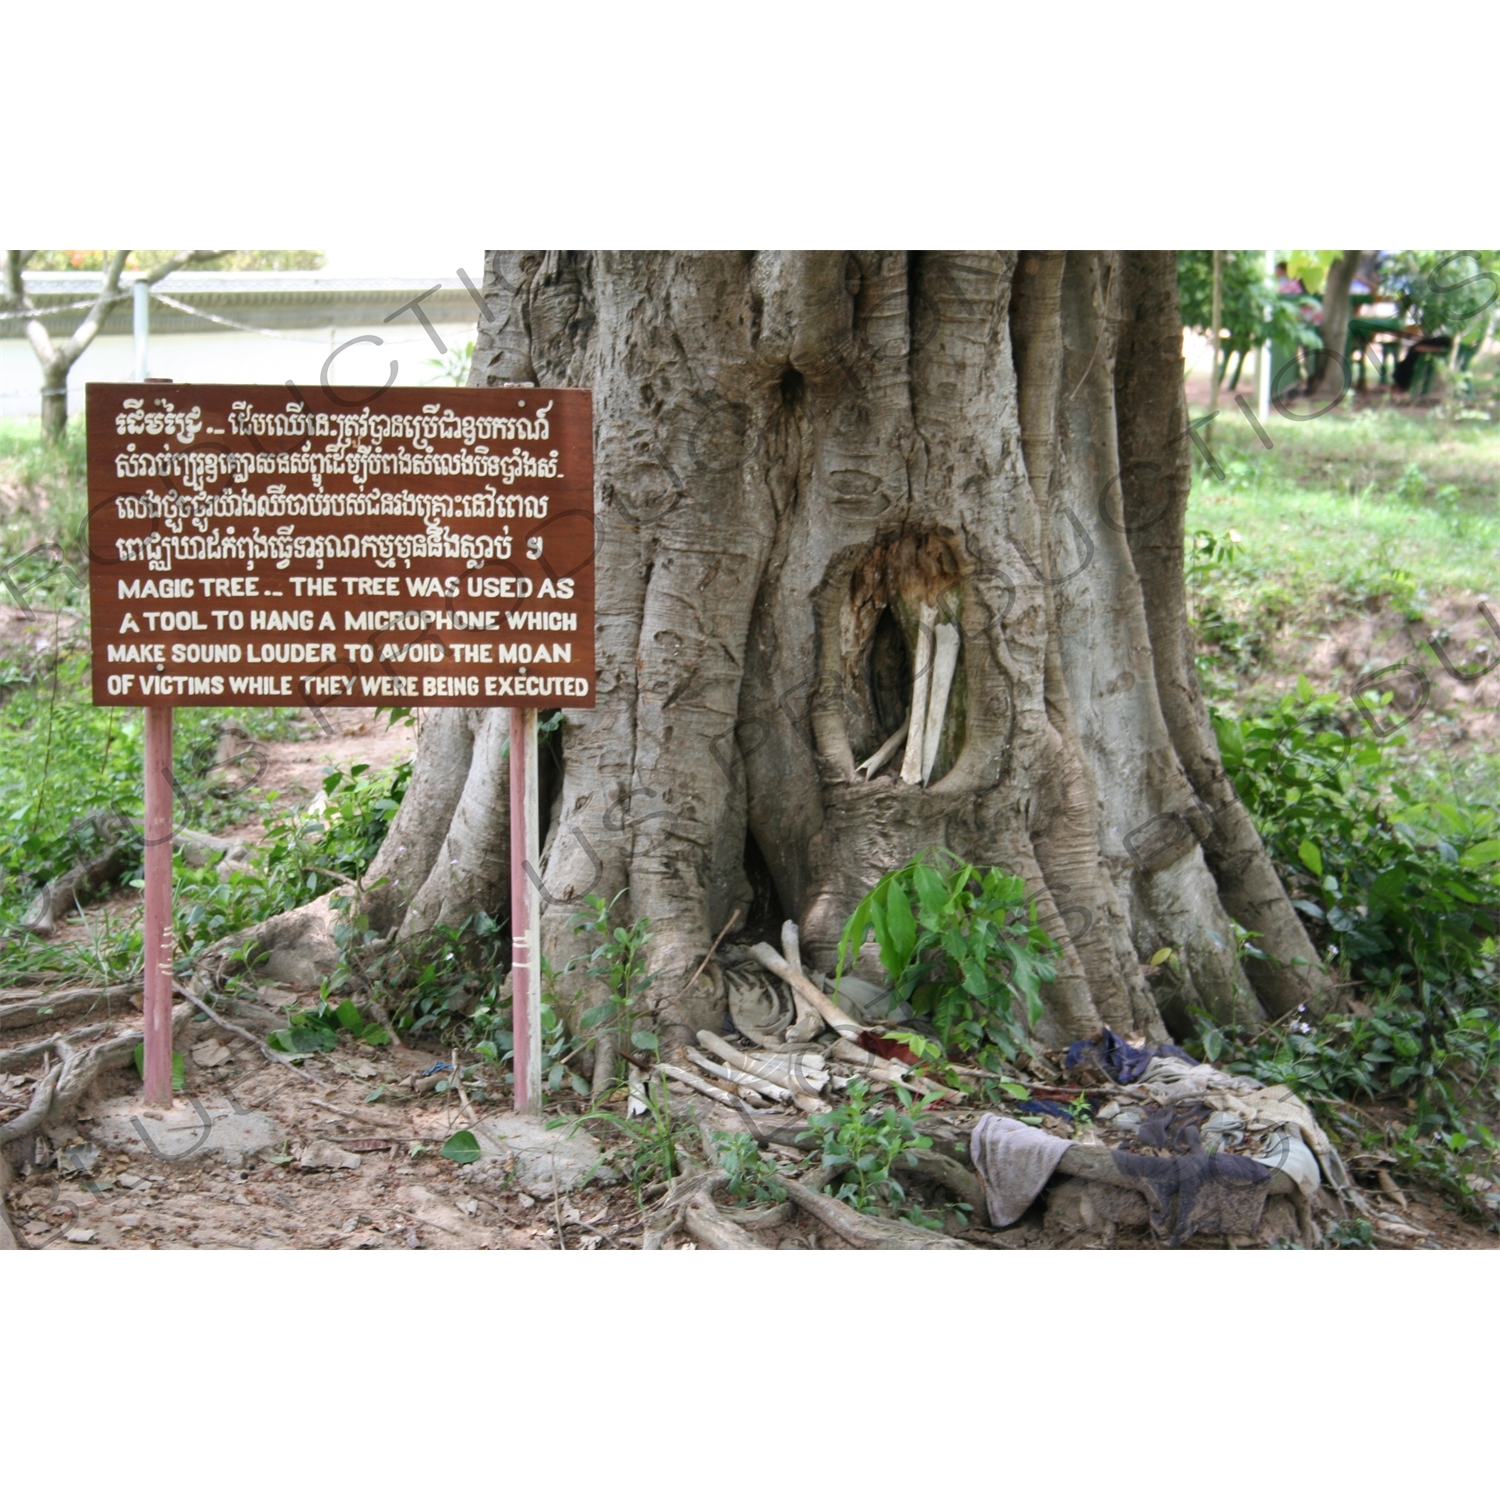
{"type": "Point", "coordinates": [845, 498]}
{"type": "Point", "coordinates": [1330, 275]}
{"type": "Point", "coordinates": [1252, 310]}
{"type": "Point", "coordinates": [56, 359]}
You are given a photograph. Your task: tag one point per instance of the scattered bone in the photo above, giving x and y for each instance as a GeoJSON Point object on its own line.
{"type": "Point", "coordinates": [718, 1095]}
{"type": "Point", "coordinates": [845, 1025]}
{"type": "Point", "coordinates": [852, 1053]}
{"type": "Point", "coordinates": [921, 691]}
{"type": "Point", "coordinates": [756, 1010]}
{"type": "Point", "coordinates": [741, 1079]}
{"type": "Point", "coordinates": [635, 1103]}
{"type": "Point", "coordinates": [868, 768]}
{"type": "Point", "coordinates": [797, 1074]}
{"type": "Point", "coordinates": [944, 661]}
{"type": "Point", "coordinates": [809, 1018]}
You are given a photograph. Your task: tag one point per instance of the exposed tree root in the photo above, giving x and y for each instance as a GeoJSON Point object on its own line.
{"type": "Point", "coordinates": [950, 1175]}
{"type": "Point", "coordinates": [293, 947]}
{"type": "Point", "coordinates": [27, 1012]}
{"type": "Point", "coordinates": [860, 1230]}
{"type": "Point", "coordinates": [88, 877]}
{"type": "Point", "coordinates": [9, 1240]}
{"type": "Point", "coordinates": [712, 1231]}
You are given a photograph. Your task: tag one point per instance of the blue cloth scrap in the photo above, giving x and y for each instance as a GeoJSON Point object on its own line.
{"type": "Point", "coordinates": [1042, 1107]}
{"type": "Point", "coordinates": [1118, 1058]}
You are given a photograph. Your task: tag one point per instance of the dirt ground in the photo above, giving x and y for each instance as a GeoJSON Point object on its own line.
{"type": "Point", "coordinates": [229, 1167]}
{"type": "Point", "coordinates": [256, 1154]}
{"type": "Point", "coordinates": [346, 737]}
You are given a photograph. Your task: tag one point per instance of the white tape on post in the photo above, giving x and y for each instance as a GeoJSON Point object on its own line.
{"type": "Point", "coordinates": [526, 952]}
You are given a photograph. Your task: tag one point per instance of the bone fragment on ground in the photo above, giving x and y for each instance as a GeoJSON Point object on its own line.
{"type": "Point", "coordinates": [718, 1095]}
{"type": "Point", "coordinates": [791, 945]}
{"type": "Point", "coordinates": [809, 1020]}
{"type": "Point", "coordinates": [769, 958]}
{"type": "Point", "coordinates": [798, 1074]}
{"type": "Point", "coordinates": [869, 767]}
{"type": "Point", "coordinates": [739, 1077]}
{"type": "Point", "coordinates": [851, 1052]}
{"type": "Point", "coordinates": [757, 1012]}
{"type": "Point", "coordinates": [921, 688]}
{"type": "Point", "coordinates": [635, 1103]}
{"type": "Point", "coordinates": [945, 659]}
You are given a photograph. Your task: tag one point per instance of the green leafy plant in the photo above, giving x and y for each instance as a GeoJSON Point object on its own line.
{"type": "Point", "coordinates": [462, 1147]}
{"type": "Point", "coordinates": [453, 367]}
{"type": "Point", "coordinates": [961, 947]}
{"type": "Point", "coordinates": [863, 1147]}
{"type": "Point", "coordinates": [653, 1140]}
{"type": "Point", "coordinates": [752, 1178]}
{"type": "Point", "coordinates": [1251, 308]}
{"type": "Point", "coordinates": [1081, 1112]}
{"type": "Point", "coordinates": [618, 962]}
{"type": "Point", "coordinates": [317, 1029]}
{"type": "Point", "coordinates": [1399, 885]}
{"type": "Point", "coordinates": [1351, 1234]}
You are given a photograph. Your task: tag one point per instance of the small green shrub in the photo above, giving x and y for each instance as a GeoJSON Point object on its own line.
{"type": "Point", "coordinates": [618, 962]}
{"type": "Point", "coordinates": [1351, 1234]}
{"type": "Point", "coordinates": [317, 1029]}
{"type": "Point", "coordinates": [653, 1141]}
{"type": "Point", "coordinates": [304, 856]}
{"type": "Point", "coordinates": [962, 947]}
{"type": "Point", "coordinates": [1398, 880]}
{"type": "Point", "coordinates": [752, 1178]}
{"type": "Point", "coordinates": [1399, 885]}
{"type": "Point", "coordinates": [864, 1147]}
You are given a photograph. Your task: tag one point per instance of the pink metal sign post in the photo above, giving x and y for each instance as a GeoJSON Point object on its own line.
{"type": "Point", "coordinates": [526, 997]}
{"type": "Point", "coordinates": [158, 921]}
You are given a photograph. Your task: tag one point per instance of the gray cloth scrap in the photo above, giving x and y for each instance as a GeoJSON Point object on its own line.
{"type": "Point", "coordinates": [1015, 1162]}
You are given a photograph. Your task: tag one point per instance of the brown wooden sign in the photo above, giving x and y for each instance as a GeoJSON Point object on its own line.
{"type": "Point", "coordinates": [257, 544]}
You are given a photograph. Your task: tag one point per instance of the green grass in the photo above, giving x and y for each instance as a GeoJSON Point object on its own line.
{"type": "Point", "coordinates": [1387, 847]}
{"type": "Point", "coordinates": [1333, 496]}
{"type": "Point", "coordinates": [61, 759]}
{"type": "Point", "coordinates": [1344, 515]}
{"type": "Point", "coordinates": [43, 491]}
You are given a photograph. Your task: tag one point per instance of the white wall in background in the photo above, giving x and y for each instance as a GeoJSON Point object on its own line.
{"type": "Point", "coordinates": [228, 357]}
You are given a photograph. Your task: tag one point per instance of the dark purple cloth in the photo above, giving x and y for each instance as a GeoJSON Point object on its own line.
{"type": "Point", "coordinates": [1118, 1058]}
{"type": "Point", "coordinates": [1174, 1127]}
{"type": "Point", "coordinates": [1200, 1194]}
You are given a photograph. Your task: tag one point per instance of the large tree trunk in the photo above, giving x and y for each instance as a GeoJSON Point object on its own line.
{"type": "Point", "coordinates": [818, 474]}
{"type": "Point", "coordinates": [1331, 372]}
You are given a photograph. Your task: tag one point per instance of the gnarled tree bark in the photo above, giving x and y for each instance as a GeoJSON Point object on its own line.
{"type": "Point", "coordinates": [839, 493]}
